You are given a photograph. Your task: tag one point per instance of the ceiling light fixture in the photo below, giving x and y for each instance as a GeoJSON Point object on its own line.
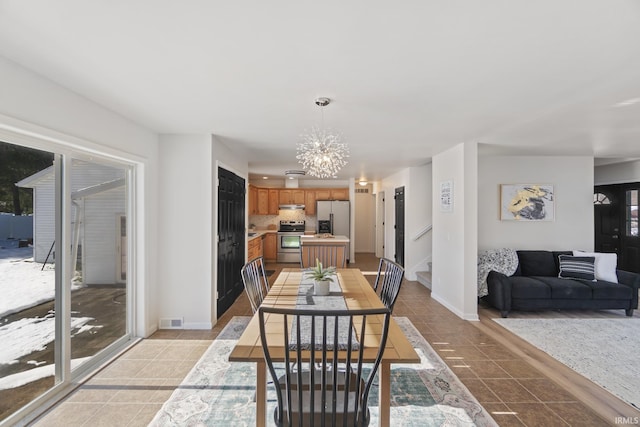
{"type": "Point", "coordinates": [321, 153]}
{"type": "Point", "coordinates": [363, 182]}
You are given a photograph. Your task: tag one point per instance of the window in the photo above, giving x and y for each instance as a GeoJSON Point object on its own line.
{"type": "Point", "coordinates": [601, 199]}
{"type": "Point", "coordinates": [631, 217]}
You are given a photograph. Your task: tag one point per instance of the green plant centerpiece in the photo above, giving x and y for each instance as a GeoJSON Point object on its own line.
{"type": "Point", "coordinates": [321, 276]}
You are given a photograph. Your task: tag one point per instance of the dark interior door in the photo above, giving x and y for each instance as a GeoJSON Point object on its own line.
{"type": "Point", "coordinates": [399, 227]}
{"type": "Point", "coordinates": [616, 223]}
{"type": "Point", "coordinates": [231, 238]}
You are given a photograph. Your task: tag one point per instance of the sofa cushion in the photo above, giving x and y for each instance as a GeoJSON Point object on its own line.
{"type": "Point", "coordinates": [556, 254]}
{"type": "Point", "coordinates": [577, 267]}
{"type": "Point", "coordinates": [528, 288]}
{"type": "Point", "coordinates": [567, 289]}
{"type": "Point", "coordinates": [537, 263]}
{"type": "Point", "coordinates": [607, 290]}
{"type": "Point", "coordinates": [606, 264]}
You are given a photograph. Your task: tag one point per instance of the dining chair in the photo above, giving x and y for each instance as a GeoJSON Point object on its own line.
{"type": "Point", "coordinates": [325, 381]}
{"type": "Point", "coordinates": [255, 282]}
{"type": "Point", "coordinates": [389, 279]}
{"type": "Point", "coordinates": [329, 254]}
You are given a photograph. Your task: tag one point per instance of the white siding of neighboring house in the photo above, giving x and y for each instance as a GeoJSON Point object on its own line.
{"type": "Point", "coordinates": [102, 212]}
{"type": "Point", "coordinates": [98, 232]}
{"type": "Point", "coordinates": [44, 231]}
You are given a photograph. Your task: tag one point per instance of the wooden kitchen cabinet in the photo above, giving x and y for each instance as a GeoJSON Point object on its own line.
{"type": "Point", "coordinates": [263, 201]}
{"type": "Point", "coordinates": [270, 246]}
{"type": "Point", "coordinates": [332, 194]}
{"type": "Point", "coordinates": [289, 197]}
{"type": "Point", "coordinates": [254, 248]}
{"type": "Point", "coordinates": [253, 200]}
{"type": "Point", "coordinates": [339, 194]}
{"type": "Point", "coordinates": [274, 202]}
{"type": "Point", "coordinates": [310, 202]}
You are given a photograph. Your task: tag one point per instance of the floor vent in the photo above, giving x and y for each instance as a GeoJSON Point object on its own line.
{"type": "Point", "coordinates": [171, 323]}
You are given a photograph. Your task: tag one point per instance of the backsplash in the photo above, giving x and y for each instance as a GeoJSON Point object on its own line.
{"type": "Point", "coordinates": [263, 221]}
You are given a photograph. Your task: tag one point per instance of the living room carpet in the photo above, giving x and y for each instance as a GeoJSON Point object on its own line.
{"type": "Point", "coordinates": [606, 351]}
{"type": "Point", "coordinates": [217, 392]}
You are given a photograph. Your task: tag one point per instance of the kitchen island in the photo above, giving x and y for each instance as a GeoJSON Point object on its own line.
{"type": "Point", "coordinates": [329, 249]}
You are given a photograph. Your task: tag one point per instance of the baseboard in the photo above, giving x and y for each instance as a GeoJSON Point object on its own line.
{"type": "Point", "coordinates": [454, 310]}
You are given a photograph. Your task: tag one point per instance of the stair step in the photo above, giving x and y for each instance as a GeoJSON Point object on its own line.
{"type": "Point", "coordinates": [424, 277]}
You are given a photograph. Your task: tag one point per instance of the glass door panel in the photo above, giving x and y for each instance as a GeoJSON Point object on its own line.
{"type": "Point", "coordinates": [27, 276]}
{"type": "Point", "coordinates": [98, 235]}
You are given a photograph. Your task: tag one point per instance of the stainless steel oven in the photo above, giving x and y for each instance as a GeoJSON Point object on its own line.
{"type": "Point", "coordinates": [289, 241]}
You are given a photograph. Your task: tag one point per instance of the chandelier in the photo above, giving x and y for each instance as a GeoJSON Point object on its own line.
{"type": "Point", "coordinates": [321, 153]}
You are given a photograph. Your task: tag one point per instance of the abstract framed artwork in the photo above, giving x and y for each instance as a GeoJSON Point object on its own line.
{"type": "Point", "coordinates": [527, 202]}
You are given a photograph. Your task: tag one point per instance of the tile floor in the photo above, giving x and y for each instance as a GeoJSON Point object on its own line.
{"type": "Point", "coordinates": [132, 389]}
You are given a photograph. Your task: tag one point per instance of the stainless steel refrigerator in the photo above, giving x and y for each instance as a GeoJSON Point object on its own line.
{"type": "Point", "coordinates": [337, 213]}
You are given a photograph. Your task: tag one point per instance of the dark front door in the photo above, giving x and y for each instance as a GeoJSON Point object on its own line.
{"type": "Point", "coordinates": [616, 223]}
{"type": "Point", "coordinates": [399, 227]}
{"type": "Point", "coordinates": [231, 238]}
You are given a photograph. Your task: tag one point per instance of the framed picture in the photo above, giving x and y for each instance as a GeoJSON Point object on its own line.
{"type": "Point", "coordinates": [527, 202]}
{"type": "Point", "coordinates": [446, 196]}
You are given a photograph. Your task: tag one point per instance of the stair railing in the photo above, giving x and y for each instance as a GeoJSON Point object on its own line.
{"type": "Point", "coordinates": [422, 232]}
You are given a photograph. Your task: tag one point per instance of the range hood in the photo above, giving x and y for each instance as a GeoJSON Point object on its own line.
{"type": "Point", "coordinates": [291, 207]}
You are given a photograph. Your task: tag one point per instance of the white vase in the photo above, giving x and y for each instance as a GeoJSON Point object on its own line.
{"type": "Point", "coordinates": [321, 287]}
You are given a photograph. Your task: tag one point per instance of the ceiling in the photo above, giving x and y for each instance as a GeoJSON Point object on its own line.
{"type": "Point", "coordinates": [407, 79]}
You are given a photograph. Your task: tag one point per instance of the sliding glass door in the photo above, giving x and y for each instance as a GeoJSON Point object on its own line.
{"type": "Point", "coordinates": [64, 290]}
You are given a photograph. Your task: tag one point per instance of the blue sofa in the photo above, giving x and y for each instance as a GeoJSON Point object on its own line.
{"type": "Point", "coordinates": [536, 286]}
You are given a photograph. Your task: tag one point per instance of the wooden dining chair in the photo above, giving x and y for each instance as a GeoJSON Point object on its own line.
{"type": "Point", "coordinates": [255, 282]}
{"type": "Point", "coordinates": [322, 353]}
{"type": "Point", "coordinates": [329, 254]}
{"type": "Point", "coordinates": [389, 280]}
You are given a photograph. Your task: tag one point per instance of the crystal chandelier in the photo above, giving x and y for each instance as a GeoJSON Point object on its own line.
{"type": "Point", "coordinates": [321, 153]}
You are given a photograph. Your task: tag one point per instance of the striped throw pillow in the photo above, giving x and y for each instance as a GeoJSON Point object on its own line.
{"type": "Point", "coordinates": [577, 267]}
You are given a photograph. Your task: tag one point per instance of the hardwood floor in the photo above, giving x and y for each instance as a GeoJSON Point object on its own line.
{"type": "Point", "coordinates": [517, 384]}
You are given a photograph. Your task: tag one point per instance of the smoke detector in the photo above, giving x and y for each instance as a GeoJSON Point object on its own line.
{"type": "Point", "coordinates": [294, 173]}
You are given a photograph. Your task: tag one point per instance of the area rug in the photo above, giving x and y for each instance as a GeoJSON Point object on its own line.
{"type": "Point", "coordinates": [219, 393]}
{"type": "Point", "coordinates": [603, 350]}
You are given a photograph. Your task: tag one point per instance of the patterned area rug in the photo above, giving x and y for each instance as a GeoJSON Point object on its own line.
{"type": "Point", "coordinates": [602, 350]}
{"type": "Point", "coordinates": [219, 393]}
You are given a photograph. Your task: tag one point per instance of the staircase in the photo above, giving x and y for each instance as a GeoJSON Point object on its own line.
{"type": "Point", "coordinates": [424, 277]}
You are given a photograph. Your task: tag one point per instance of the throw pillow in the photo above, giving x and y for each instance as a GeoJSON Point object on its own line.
{"type": "Point", "coordinates": [577, 267]}
{"type": "Point", "coordinates": [606, 265]}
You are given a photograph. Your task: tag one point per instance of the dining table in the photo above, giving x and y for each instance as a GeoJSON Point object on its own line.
{"type": "Point", "coordinates": [354, 292]}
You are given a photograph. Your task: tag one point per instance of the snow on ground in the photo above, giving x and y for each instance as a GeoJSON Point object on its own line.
{"type": "Point", "coordinates": [22, 378]}
{"type": "Point", "coordinates": [24, 284]}
{"type": "Point", "coordinates": [33, 334]}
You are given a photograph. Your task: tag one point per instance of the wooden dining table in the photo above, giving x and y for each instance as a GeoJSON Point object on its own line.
{"type": "Point", "coordinates": [357, 294]}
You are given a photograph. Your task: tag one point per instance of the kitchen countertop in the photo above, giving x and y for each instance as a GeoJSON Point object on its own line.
{"type": "Point", "coordinates": [317, 238]}
{"type": "Point", "coordinates": [258, 233]}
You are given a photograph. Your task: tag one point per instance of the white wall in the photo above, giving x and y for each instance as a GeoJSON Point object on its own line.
{"type": "Point", "coordinates": [185, 220]}
{"type": "Point", "coordinates": [365, 225]}
{"type": "Point", "coordinates": [617, 173]}
{"type": "Point", "coordinates": [455, 233]}
{"type": "Point", "coordinates": [572, 178]}
{"type": "Point", "coordinates": [31, 104]}
{"type": "Point", "coordinates": [417, 183]}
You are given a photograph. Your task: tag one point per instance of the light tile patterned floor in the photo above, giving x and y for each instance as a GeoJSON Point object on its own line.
{"type": "Point", "coordinates": [132, 389]}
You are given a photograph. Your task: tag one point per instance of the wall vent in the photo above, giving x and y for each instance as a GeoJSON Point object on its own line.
{"type": "Point", "coordinates": [362, 190]}
{"type": "Point", "coordinates": [171, 323]}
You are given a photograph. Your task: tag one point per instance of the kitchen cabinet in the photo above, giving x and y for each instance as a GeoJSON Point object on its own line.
{"type": "Point", "coordinates": [310, 202]}
{"type": "Point", "coordinates": [289, 197]}
{"type": "Point", "coordinates": [274, 201]}
{"type": "Point", "coordinates": [253, 200]}
{"type": "Point", "coordinates": [263, 201]}
{"type": "Point", "coordinates": [254, 248]}
{"type": "Point", "coordinates": [332, 194]}
{"type": "Point", "coordinates": [339, 194]}
{"type": "Point", "coordinates": [270, 246]}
